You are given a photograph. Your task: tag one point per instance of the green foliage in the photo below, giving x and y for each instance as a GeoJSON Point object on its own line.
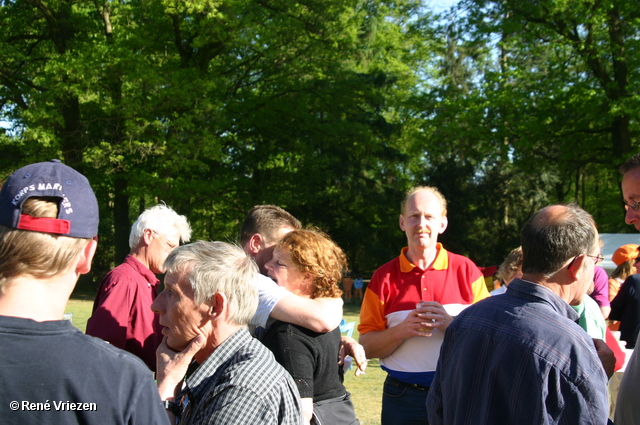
{"type": "Point", "coordinates": [330, 109]}
{"type": "Point", "coordinates": [213, 107]}
{"type": "Point", "coordinates": [524, 112]}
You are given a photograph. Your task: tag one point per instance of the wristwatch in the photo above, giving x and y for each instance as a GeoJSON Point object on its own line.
{"type": "Point", "coordinates": [172, 406]}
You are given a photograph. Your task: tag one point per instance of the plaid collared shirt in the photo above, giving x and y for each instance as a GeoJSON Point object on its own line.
{"type": "Point", "coordinates": [240, 383]}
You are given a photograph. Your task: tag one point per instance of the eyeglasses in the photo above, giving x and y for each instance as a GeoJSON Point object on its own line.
{"type": "Point", "coordinates": [169, 245]}
{"type": "Point", "coordinates": [596, 258]}
{"type": "Point", "coordinates": [634, 206]}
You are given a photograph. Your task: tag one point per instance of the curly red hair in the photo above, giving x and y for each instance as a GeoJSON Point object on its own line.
{"type": "Point", "coordinates": [312, 251]}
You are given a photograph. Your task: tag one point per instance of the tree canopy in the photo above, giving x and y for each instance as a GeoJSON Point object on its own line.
{"type": "Point", "coordinates": [329, 109]}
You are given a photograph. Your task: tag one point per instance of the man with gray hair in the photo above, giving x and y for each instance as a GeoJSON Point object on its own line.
{"type": "Point", "coordinates": [121, 310]}
{"type": "Point", "coordinates": [521, 357]}
{"type": "Point", "coordinates": [209, 299]}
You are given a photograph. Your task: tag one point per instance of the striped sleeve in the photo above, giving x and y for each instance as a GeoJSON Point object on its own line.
{"type": "Point", "coordinates": [372, 317]}
{"type": "Point", "coordinates": [479, 289]}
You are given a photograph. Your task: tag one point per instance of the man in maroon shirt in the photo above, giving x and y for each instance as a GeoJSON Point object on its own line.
{"type": "Point", "coordinates": [122, 308]}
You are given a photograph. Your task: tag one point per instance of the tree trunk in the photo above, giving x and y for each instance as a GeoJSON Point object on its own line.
{"type": "Point", "coordinates": [121, 223]}
{"type": "Point", "coordinates": [620, 137]}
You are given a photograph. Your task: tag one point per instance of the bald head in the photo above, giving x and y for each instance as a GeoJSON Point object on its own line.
{"type": "Point", "coordinates": [554, 235]}
{"type": "Point", "coordinates": [429, 189]}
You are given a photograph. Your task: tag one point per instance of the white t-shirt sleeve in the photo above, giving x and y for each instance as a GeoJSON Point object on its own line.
{"type": "Point", "coordinates": [269, 293]}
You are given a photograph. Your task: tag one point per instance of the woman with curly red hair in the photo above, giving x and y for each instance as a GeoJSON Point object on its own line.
{"type": "Point", "coordinates": [309, 264]}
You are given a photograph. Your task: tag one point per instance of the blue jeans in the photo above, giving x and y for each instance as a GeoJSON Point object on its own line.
{"type": "Point", "coordinates": [403, 404]}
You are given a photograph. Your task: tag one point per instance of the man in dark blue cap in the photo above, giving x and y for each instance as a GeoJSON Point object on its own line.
{"type": "Point", "coordinates": [51, 372]}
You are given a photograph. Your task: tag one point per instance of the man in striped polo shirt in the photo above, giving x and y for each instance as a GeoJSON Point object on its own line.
{"type": "Point", "coordinates": [409, 304]}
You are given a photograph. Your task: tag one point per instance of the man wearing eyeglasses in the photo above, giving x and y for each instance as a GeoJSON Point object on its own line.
{"type": "Point", "coordinates": [520, 357]}
{"type": "Point", "coordinates": [122, 308]}
{"type": "Point", "coordinates": [627, 406]}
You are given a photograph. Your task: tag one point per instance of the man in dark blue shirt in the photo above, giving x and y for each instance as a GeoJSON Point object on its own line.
{"type": "Point", "coordinates": [51, 372]}
{"type": "Point", "coordinates": [520, 357]}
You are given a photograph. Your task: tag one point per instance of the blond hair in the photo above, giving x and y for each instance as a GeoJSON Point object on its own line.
{"type": "Point", "coordinates": [624, 270]}
{"type": "Point", "coordinates": [510, 266]}
{"type": "Point", "coordinates": [434, 191]}
{"type": "Point", "coordinates": [313, 252]}
{"type": "Point", "coordinates": [36, 254]}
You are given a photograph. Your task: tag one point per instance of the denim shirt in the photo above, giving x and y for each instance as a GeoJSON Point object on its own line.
{"type": "Point", "coordinates": [518, 358]}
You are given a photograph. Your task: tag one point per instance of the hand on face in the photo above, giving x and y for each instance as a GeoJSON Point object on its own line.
{"type": "Point", "coordinates": [172, 365]}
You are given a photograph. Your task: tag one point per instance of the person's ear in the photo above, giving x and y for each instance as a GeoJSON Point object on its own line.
{"type": "Point", "coordinates": [401, 222]}
{"type": "Point", "coordinates": [147, 235]}
{"type": "Point", "coordinates": [85, 257]}
{"type": "Point", "coordinates": [577, 266]}
{"type": "Point", "coordinates": [255, 243]}
{"type": "Point", "coordinates": [444, 222]}
{"type": "Point", "coordinates": [308, 277]}
{"type": "Point", "coordinates": [217, 304]}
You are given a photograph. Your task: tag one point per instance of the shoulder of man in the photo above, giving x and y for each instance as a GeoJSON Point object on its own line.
{"type": "Point", "coordinates": [461, 262]}
{"type": "Point", "coordinates": [136, 389]}
{"type": "Point", "coordinates": [249, 366]}
{"type": "Point", "coordinates": [634, 279]}
{"type": "Point", "coordinates": [386, 268]}
{"type": "Point", "coordinates": [130, 271]}
{"type": "Point", "coordinates": [110, 354]}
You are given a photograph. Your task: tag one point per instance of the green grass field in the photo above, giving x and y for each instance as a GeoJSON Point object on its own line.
{"type": "Point", "coordinates": [366, 390]}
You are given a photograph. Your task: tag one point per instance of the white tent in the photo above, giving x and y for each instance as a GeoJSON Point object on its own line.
{"type": "Point", "coordinates": [613, 241]}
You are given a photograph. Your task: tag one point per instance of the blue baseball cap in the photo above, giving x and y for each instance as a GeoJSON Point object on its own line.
{"type": "Point", "coordinates": [78, 206]}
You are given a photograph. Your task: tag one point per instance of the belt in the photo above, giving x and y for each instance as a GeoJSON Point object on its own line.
{"type": "Point", "coordinates": [415, 386]}
{"type": "Point", "coordinates": [418, 387]}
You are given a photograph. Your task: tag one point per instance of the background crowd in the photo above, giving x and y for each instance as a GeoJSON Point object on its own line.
{"type": "Point", "coordinates": [248, 332]}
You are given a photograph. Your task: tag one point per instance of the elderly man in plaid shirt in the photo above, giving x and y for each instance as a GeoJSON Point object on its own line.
{"type": "Point", "coordinates": [210, 370]}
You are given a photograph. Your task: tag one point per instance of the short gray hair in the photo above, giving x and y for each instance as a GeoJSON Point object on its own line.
{"type": "Point", "coordinates": [550, 240]}
{"type": "Point", "coordinates": [158, 218]}
{"type": "Point", "coordinates": [218, 267]}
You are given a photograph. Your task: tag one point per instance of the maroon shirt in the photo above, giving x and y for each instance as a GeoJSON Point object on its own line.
{"type": "Point", "coordinates": [122, 310]}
